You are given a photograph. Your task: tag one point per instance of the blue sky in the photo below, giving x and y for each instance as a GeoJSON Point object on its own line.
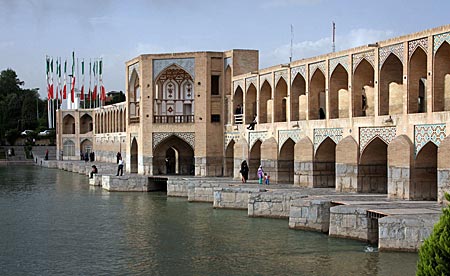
{"type": "Point", "coordinates": [117, 30]}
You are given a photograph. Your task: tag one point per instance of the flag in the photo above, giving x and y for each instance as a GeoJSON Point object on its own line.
{"type": "Point", "coordinates": [50, 92]}
{"type": "Point", "coordinates": [102, 88]}
{"type": "Point", "coordinates": [57, 83]}
{"type": "Point", "coordinates": [72, 91]}
{"type": "Point", "coordinates": [82, 81]}
{"type": "Point", "coordinates": [47, 76]}
{"type": "Point", "coordinates": [90, 77]}
{"type": "Point", "coordinates": [65, 82]}
{"type": "Point", "coordinates": [94, 92]}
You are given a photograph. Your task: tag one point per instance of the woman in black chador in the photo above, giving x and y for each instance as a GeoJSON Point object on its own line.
{"type": "Point", "coordinates": [244, 171]}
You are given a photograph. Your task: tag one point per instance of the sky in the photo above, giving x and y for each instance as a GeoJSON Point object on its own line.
{"type": "Point", "coordinates": [119, 30]}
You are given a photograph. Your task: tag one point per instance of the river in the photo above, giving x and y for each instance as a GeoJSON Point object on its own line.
{"type": "Point", "coordinates": [53, 223]}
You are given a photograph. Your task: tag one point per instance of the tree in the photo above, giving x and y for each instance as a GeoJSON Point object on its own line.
{"type": "Point", "coordinates": [9, 82]}
{"type": "Point", "coordinates": [434, 254]}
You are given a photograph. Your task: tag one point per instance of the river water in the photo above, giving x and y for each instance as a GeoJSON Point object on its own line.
{"type": "Point", "coordinates": [53, 223]}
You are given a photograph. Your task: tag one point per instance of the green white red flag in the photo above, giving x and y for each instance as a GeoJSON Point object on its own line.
{"type": "Point", "coordinates": [65, 82]}
{"type": "Point", "coordinates": [72, 91]}
{"type": "Point", "coordinates": [82, 81]}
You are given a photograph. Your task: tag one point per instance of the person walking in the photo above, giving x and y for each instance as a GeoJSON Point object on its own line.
{"type": "Point", "coordinates": [244, 171]}
{"type": "Point", "coordinates": [120, 167]}
{"type": "Point", "coordinates": [118, 157]}
{"type": "Point", "coordinates": [260, 175]}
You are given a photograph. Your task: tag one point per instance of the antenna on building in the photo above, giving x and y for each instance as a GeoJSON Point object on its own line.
{"type": "Point", "coordinates": [292, 38]}
{"type": "Point", "coordinates": [334, 38]}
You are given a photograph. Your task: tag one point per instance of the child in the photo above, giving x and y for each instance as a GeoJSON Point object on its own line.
{"type": "Point", "coordinates": [266, 178]}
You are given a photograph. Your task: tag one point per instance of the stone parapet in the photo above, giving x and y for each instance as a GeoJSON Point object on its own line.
{"type": "Point", "coordinates": [126, 183]}
{"type": "Point", "coordinates": [348, 221]}
{"type": "Point", "coordinates": [310, 214]}
{"type": "Point", "coordinates": [233, 197]}
{"type": "Point", "coordinates": [202, 191]}
{"type": "Point", "coordinates": [271, 204]}
{"type": "Point", "coordinates": [405, 232]}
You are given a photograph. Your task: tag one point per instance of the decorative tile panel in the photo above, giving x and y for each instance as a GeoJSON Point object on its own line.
{"type": "Point", "coordinates": [188, 137]}
{"type": "Point", "coordinates": [298, 70]}
{"type": "Point", "coordinates": [281, 74]}
{"type": "Point", "coordinates": [283, 135]}
{"type": "Point", "coordinates": [131, 68]}
{"type": "Point", "coordinates": [229, 136]}
{"type": "Point", "coordinates": [422, 43]}
{"type": "Point", "coordinates": [314, 66]}
{"type": "Point", "coordinates": [332, 63]}
{"type": "Point", "coordinates": [384, 52]}
{"type": "Point", "coordinates": [320, 134]}
{"type": "Point", "coordinates": [439, 39]}
{"type": "Point", "coordinates": [251, 80]}
{"type": "Point", "coordinates": [357, 58]}
{"type": "Point", "coordinates": [254, 136]}
{"type": "Point", "coordinates": [266, 77]}
{"type": "Point", "coordinates": [367, 134]}
{"type": "Point", "coordinates": [238, 83]}
{"type": "Point", "coordinates": [426, 133]}
{"type": "Point", "coordinates": [188, 64]}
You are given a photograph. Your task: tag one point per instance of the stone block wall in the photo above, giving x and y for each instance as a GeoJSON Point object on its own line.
{"type": "Point", "coordinates": [349, 222]}
{"type": "Point", "coordinates": [233, 198]}
{"type": "Point", "coordinates": [271, 204]}
{"type": "Point", "coordinates": [406, 232]}
{"type": "Point", "coordinates": [310, 214]}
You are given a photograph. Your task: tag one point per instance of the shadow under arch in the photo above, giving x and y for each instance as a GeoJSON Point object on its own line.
{"type": "Point", "coordinates": [173, 155]}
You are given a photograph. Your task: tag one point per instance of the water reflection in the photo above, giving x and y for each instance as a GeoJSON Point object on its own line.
{"type": "Point", "coordinates": [52, 222]}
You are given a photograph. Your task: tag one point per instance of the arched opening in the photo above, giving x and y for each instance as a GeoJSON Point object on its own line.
{"type": "Point", "coordinates": [134, 156]}
{"type": "Point", "coordinates": [180, 157]}
{"type": "Point", "coordinates": [286, 163]}
{"type": "Point", "coordinates": [416, 81]}
{"type": "Point", "coordinates": [280, 101]}
{"type": "Point", "coordinates": [86, 146]}
{"type": "Point", "coordinates": [134, 94]}
{"type": "Point", "coordinates": [392, 71]}
{"type": "Point", "coordinates": [324, 167]}
{"type": "Point", "coordinates": [254, 160]}
{"type": "Point", "coordinates": [69, 124]}
{"type": "Point", "coordinates": [228, 81]}
{"type": "Point", "coordinates": [69, 148]}
{"type": "Point", "coordinates": [298, 88]}
{"type": "Point", "coordinates": [250, 104]}
{"type": "Point", "coordinates": [85, 124]}
{"type": "Point", "coordinates": [317, 109]}
{"type": "Point", "coordinates": [441, 70]}
{"type": "Point", "coordinates": [372, 168]}
{"type": "Point", "coordinates": [424, 174]}
{"type": "Point", "coordinates": [173, 100]}
{"type": "Point", "coordinates": [338, 81]}
{"type": "Point", "coordinates": [238, 100]}
{"type": "Point", "coordinates": [171, 161]}
{"type": "Point", "coordinates": [265, 114]}
{"type": "Point", "coordinates": [229, 159]}
{"type": "Point", "coordinates": [362, 86]}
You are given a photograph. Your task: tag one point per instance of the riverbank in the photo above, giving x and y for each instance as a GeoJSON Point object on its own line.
{"type": "Point", "coordinates": [392, 225]}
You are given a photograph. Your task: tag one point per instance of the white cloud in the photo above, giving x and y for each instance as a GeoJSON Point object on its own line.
{"type": "Point", "coordinates": [306, 49]}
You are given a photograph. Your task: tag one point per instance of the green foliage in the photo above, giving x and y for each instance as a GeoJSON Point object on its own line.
{"type": "Point", "coordinates": [12, 135]}
{"type": "Point", "coordinates": [434, 254]}
{"type": "Point", "coordinates": [20, 109]}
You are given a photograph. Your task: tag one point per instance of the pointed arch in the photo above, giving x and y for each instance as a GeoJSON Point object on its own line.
{"type": "Point", "coordinates": [417, 81]}
{"type": "Point", "coordinates": [441, 71]}
{"type": "Point", "coordinates": [298, 89]}
{"type": "Point", "coordinates": [285, 170]}
{"type": "Point", "coordinates": [68, 124]}
{"type": "Point", "coordinates": [391, 72]}
{"type": "Point", "coordinates": [229, 158]}
{"type": "Point", "coordinates": [69, 148]}
{"type": "Point", "coordinates": [363, 84]}
{"type": "Point", "coordinates": [178, 149]}
{"type": "Point", "coordinates": [338, 81]}
{"type": "Point", "coordinates": [372, 168]}
{"type": "Point", "coordinates": [424, 174]}
{"type": "Point", "coordinates": [86, 146]}
{"type": "Point", "coordinates": [280, 101]}
{"type": "Point", "coordinates": [324, 166]}
{"type": "Point", "coordinates": [134, 151]}
{"type": "Point", "coordinates": [265, 112]}
{"type": "Point", "coordinates": [316, 101]}
{"type": "Point", "coordinates": [250, 104]}
{"type": "Point", "coordinates": [254, 159]}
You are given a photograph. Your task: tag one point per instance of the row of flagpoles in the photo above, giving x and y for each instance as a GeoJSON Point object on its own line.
{"type": "Point", "coordinates": [57, 96]}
